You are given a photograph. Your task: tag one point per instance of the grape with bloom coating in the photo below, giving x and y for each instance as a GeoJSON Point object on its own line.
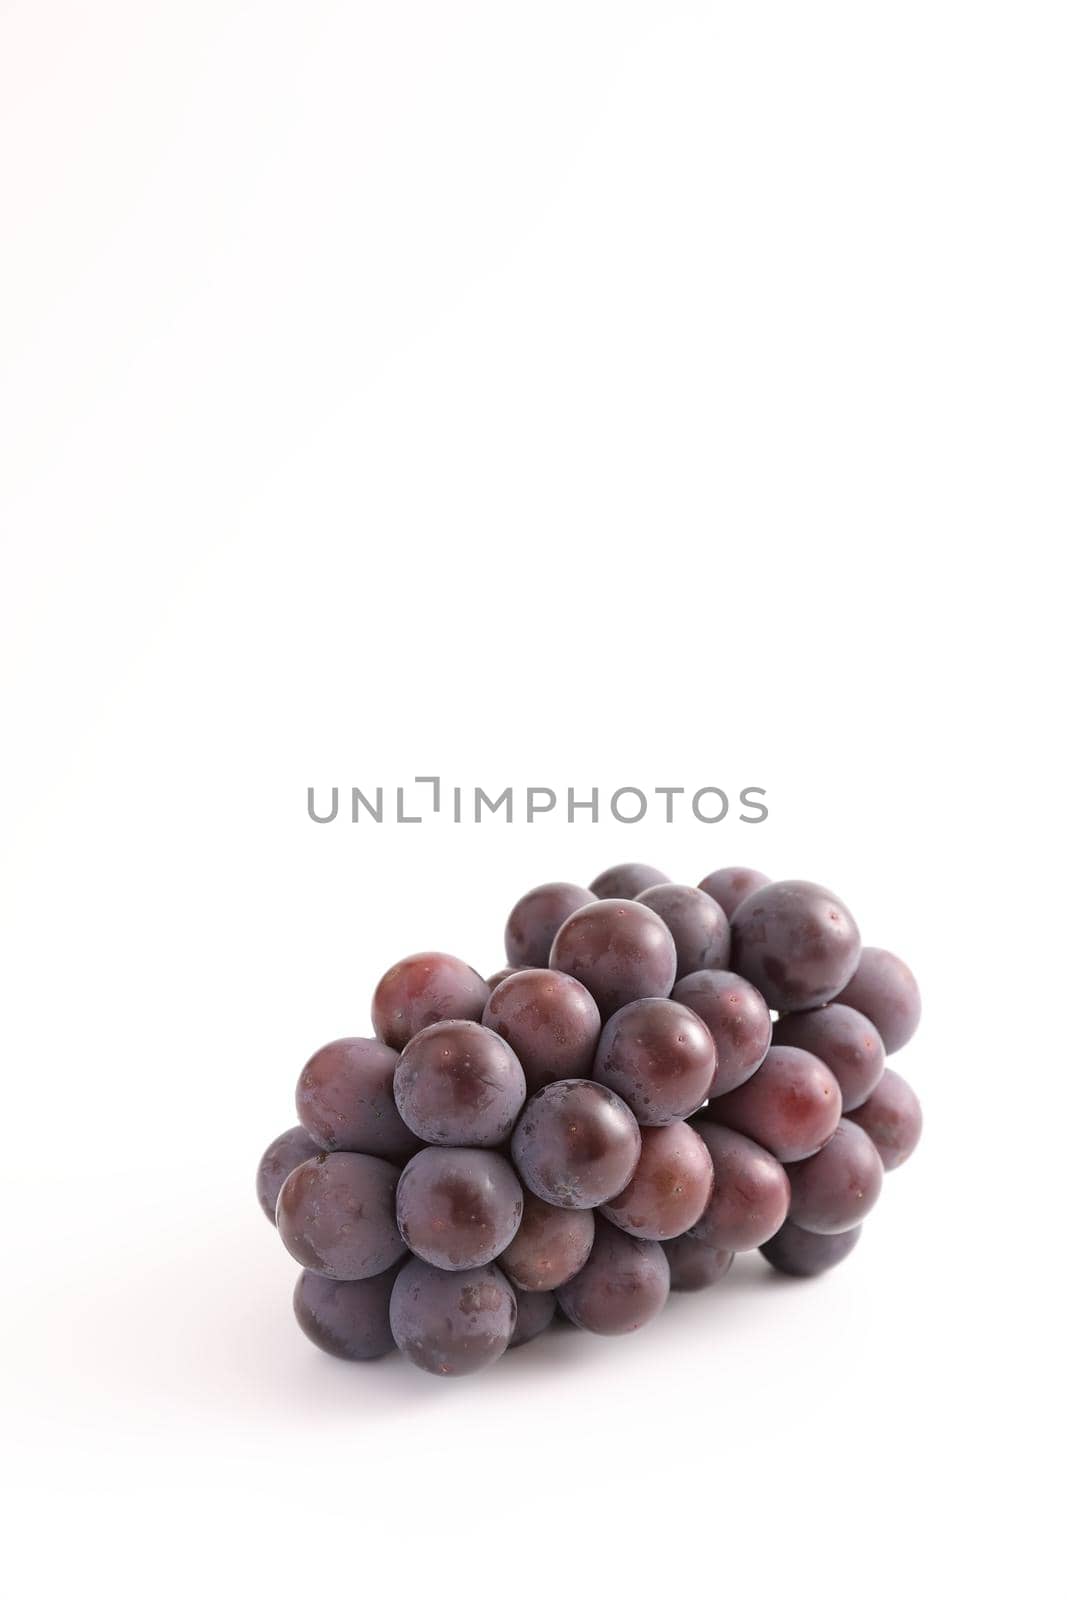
{"type": "Point", "coordinates": [452, 1323]}
{"type": "Point", "coordinates": [534, 1313]}
{"type": "Point", "coordinates": [344, 1098]}
{"type": "Point", "coordinates": [659, 1057]}
{"type": "Point", "coordinates": [623, 1285]}
{"type": "Point", "coordinates": [798, 943]}
{"type": "Point", "coordinates": [695, 1265]}
{"type": "Point", "coordinates": [885, 990]}
{"type": "Point", "coordinates": [337, 1215]}
{"type": "Point", "coordinates": [848, 1043]}
{"type": "Point", "coordinates": [576, 1144]}
{"type": "Point", "coordinates": [619, 949]}
{"type": "Point", "coordinates": [458, 1208]}
{"type": "Point", "coordinates": [833, 1190]}
{"type": "Point", "coordinates": [346, 1319]}
{"type": "Point", "coordinates": [537, 918]}
{"type": "Point", "coordinates": [424, 989]}
{"type": "Point", "coordinates": [280, 1157]}
{"type": "Point", "coordinates": [626, 881]}
{"type": "Point", "coordinates": [671, 1187]}
{"type": "Point", "coordinates": [551, 1245]}
{"type": "Point", "coordinates": [459, 1083]}
{"type": "Point", "coordinates": [551, 1022]}
{"type": "Point", "coordinates": [800, 1254]}
{"type": "Point", "coordinates": [791, 1106]}
{"type": "Point", "coordinates": [750, 1195]}
{"type": "Point", "coordinates": [699, 926]}
{"type": "Point", "coordinates": [736, 1016]}
{"type": "Point", "coordinates": [892, 1119]}
{"type": "Point", "coordinates": [497, 978]}
{"type": "Point", "coordinates": [730, 885]}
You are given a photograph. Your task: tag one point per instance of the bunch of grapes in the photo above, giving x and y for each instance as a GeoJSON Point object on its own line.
{"type": "Point", "coordinates": [663, 1076]}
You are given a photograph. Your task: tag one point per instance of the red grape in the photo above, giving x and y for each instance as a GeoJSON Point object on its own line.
{"type": "Point", "coordinates": [750, 1194]}
{"type": "Point", "coordinates": [835, 1189]}
{"type": "Point", "coordinates": [458, 1208]}
{"type": "Point", "coordinates": [798, 943]}
{"type": "Point", "coordinates": [695, 1265]}
{"type": "Point", "coordinates": [892, 1118]}
{"type": "Point", "coordinates": [736, 1016]}
{"type": "Point", "coordinates": [800, 1254]}
{"type": "Point", "coordinates": [671, 1187]}
{"type": "Point", "coordinates": [619, 949]}
{"type": "Point", "coordinates": [350, 1320]}
{"type": "Point", "coordinates": [791, 1106]}
{"type": "Point", "coordinates": [576, 1144]}
{"type": "Point", "coordinates": [551, 1245]}
{"type": "Point", "coordinates": [659, 1057]}
{"type": "Point", "coordinates": [452, 1323]}
{"type": "Point", "coordinates": [623, 1285]}
{"type": "Point", "coordinates": [534, 1314]}
{"type": "Point", "coordinates": [459, 1083]}
{"type": "Point", "coordinates": [337, 1215]}
{"type": "Point", "coordinates": [537, 918]}
{"type": "Point", "coordinates": [626, 881]}
{"type": "Point", "coordinates": [848, 1043]}
{"type": "Point", "coordinates": [551, 1022]}
{"type": "Point", "coordinates": [344, 1098]}
{"type": "Point", "coordinates": [885, 990]}
{"type": "Point", "coordinates": [730, 885]}
{"type": "Point", "coordinates": [699, 926]}
{"type": "Point", "coordinates": [280, 1157]}
{"type": "Point", "coordinates": [423, 989]}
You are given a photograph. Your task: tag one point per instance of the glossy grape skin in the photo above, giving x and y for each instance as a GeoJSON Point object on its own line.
{"type": "Point", "coordinates": [699, 926]}
{"type": "Point", "coordinates": [892, 1119]}
{"type": "Point", "coordinates": [344, 1098]}
{"type": "Point", "coordinates": [619, 949]}
{"type": "Point", "coordinates": [657, 1056]}
{"type": "Point", "coordinates": [337, 1215]}
{"type": "Point", "coordinates": [497, 978]}
{"type": "Point", "coordinates": [535, 1311]}
{"type": "Point", "coordinates": [424, 989]}
{"type": "Point", "coordinates": [551, 1022]}
{"type": "Point", "coordinates": [885, 990]}
{"type": "Point", "coordinates": [458, 1083]}
{"type": "Point", "coordinates": [730, 885]}
{"type": "Point", "coordinates": [833, 1190]}
{"type": "Point", "coordinates": [346, 1319]}
{"type": "Point", "coordinates": [798, 943]}
{"type": "Point", "coordinates": [848, 1043]}
{"type": "Point", "coordinates": [695, 1265]}
{"type": "Point", "coordinates": [452, 1323]}
{"type": "Point", "coordinates": [551, 1245]}
{"type": "Point", "coordinates": [800, 1254]}
{"type": "Point", "coordinates": [280, 1157]}
{"type": "Point", "coordinates": [671, 1187]}
{"type": "Point", "coordinates": [458, 1208]}
{"type": "Point", "coordinates": [576, 1144]}
{"type": "Point", "coordinates": [791, 1106]}
{"type": "Point", "coordinates": [626, 881]}
{"type": "Point", "coordinates": [622, 1286]}
{"type": "Point", "coordinates": [537, 918]}
{"type": "Point", "coordinates": [736, 1016]}
{"type": "Point", "coordinates": [750, 1195]}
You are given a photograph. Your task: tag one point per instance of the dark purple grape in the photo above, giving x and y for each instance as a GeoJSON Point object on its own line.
{"type": "Point", "coordinates": [452, 1323]}
{"type": "Point", "coordinates": [730, 885]}
{"type": "Point", "coordinates": [459, 1083]}
{"type": "Point", "coordinates": [337, 1215]}
{"type": "Point", "coordinates": [623, 1285]}
{"type": "Point", "coordinates": [736, 1016]}
{"type": "Point", "coordinates": [551, 1245]}
{"type": "Point", "coordinates": [800, 1254]}
{"type": "Point", "coordinates": [798, 943]}
{"type": "Point", "coordinates": [750, 1194]}
{"type": "Point", "coordinates": [576, 1144]}
{"type": "Point", "coordinates": [699, 926]}
{"type": "Point", "coordinates": [535, 1311]}
{"type": "Point", "coordinates": [458, 1208]}
{"type": "Point", "coordinates": [892, 1119]}
{"type": "Point", "coordinates": [791, 1106]}
{"type": "Point", "coordinates": [550, 1021]}
{"type": "Point", "coordinates": [284, 1153]}
{"type": "Point", "coordinates": [833, 1190]}
{"type": "Point", "coordinates": [657, 1056]}
{"type": "Point", "coordinates": [350, 1320]}
{"type": "Point", "coordinates": [619, 949]}
{"type": "Point", "coordinates": [884, 989]}
{"type": "Point", "coordinates": [694, 1265]}
{"type": "Point", "coordinates": [498, 977]}
{"type": "Point", "coordinates": [344, 1098]}
{"type": "Point", "coordinates": [424, 989]}
{"type": "Point", "coordinates": [671, 1187]}
{"type": "Point", "coordinates": [537, 918]}
{"type": "Point", "coordinates": [626, 881]}
{"type": "Point", "coordinates": [848, 1043]}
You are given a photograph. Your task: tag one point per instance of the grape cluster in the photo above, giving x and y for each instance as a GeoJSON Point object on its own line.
{"type": "Point", "coordinates": [661, 1077]}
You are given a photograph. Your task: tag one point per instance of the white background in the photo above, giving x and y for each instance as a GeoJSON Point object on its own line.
{"type": "Point", "coordinates": [561, 394]}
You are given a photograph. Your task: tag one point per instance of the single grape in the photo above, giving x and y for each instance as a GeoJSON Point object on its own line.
{"type": "Point", "coordinates": [619, 949]}
{"type": "Point", "coordinates": [694, 1265]}
{"type": "Point", "coordinates": [452, 1323]}
{"type": "Point", "coordinates": [459, 1083]}
{"type": "Point", "coordinates": [284, 1153]}
{"type": "Point", "coordinates": [350, 1320]}
{"type": "Point", "coordinates": [791, 1106]}
{"type": "Point", "coordinates": [344, 1098]}
{"type": "Point", "coordinates": [458, 1208]}
{"type": "Point", "coordinates": [576, 1144]}
{"type": "Point", "coordinates": [848, 1043]}
{"type": "Point", "coordinates": [750, 1194]}
{"type": "Point", "coordinates": [885, 990]}
{"type": "Point", "coordinates": [551, 1245]}
{"type": "Point", "coordinates": [551, 1022]}
{"type": "Point", "coordinates": [537, 918]}
{"type": "Point", "coordinates": [337, 1215]}
{"type": "Point", "coordinates": [422, 990]}
{"type": "Point", "coordinates": [626, 881]}
{"type": "Point", "coordinates": [534, 1314]}
{"type": "Point", "coordinates": [833, 1190]}
{"type": "Point", "coordinates": [657, 1056]}
{"type": "Point", "coordinates": [798, 943]}
{"type": "Point", "coordinates": [623, 1285]}
{"type": "Point", "coordinates": [497, 978]}
{"type": "Point", "coordinates": [736, 1016]}
{"type": "Point", "coordinates": [671, 1187]}
{"type": "Point", "coordinates": [699, 926]}
{"type": "Point", "coordinates": [730, 885]}
{"type": "Point", "coordinates": [892, 1119]}
{"type": "Point", "coordinates": [800, 1254]}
